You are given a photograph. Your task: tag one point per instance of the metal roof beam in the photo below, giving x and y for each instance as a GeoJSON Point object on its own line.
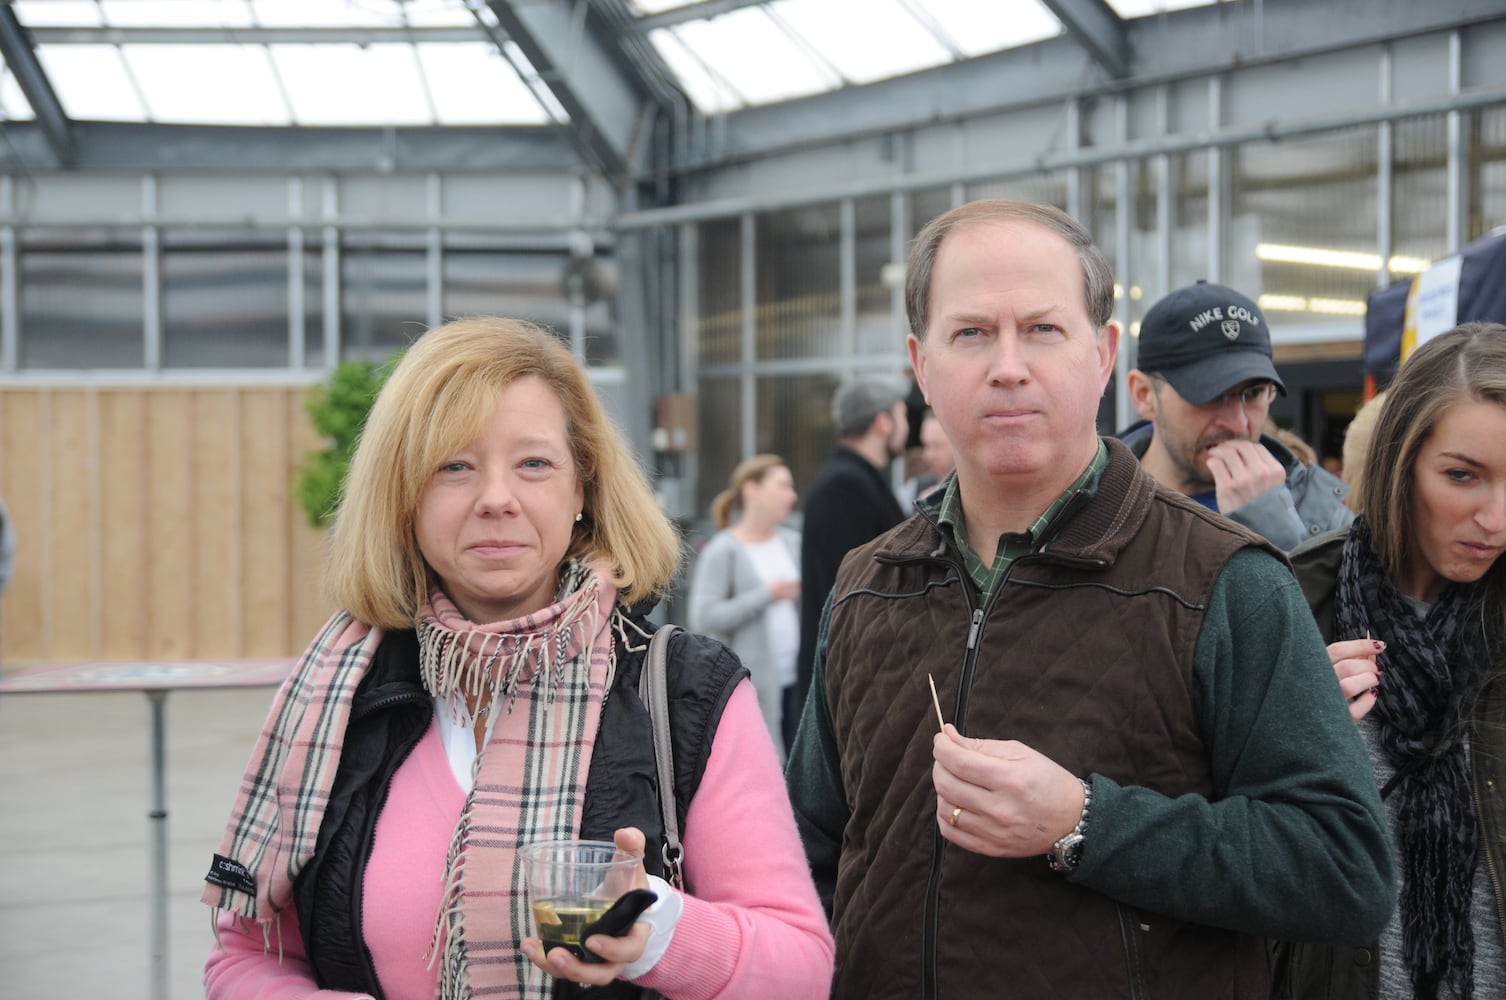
{"type": "Point", "coordinates": [704, 10]}
{"type": "Point", "coordinates": [22, 60]}
{"type": "Point", "coordinates": [252, 36]}
{"type": "Point", "coordinates": [604, 103]}
{"type": "Point", "coordinates": [1095, 26]}
{"type": "Point", "coordinates": [123, 146]}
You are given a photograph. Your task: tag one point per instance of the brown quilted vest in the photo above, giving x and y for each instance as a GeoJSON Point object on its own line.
{"type": "Point", "coordinates": [1086, 655]}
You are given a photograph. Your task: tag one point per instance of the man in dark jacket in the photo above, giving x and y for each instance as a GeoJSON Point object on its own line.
{"type": "Point", "coordinates": [1147, 767]}
{"type": "Point", "coordinates": [849, 502]}
{"type": "Point", "coordinates": [1204, 384]}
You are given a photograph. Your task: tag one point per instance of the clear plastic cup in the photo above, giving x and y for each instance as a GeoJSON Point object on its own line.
{"type": "Point", "coordinates": [571, 883]}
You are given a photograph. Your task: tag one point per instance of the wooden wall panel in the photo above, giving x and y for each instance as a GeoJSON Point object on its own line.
{"type": "Point", "coordinates": [171, 605]}
{"type": "Point", "coordinates": [157, 523]}
{"type": "Point", "coordinates": [125, 562]}
{"type": "Point", "coordinates": [70, 466]}
{"type": "Point", "coordinates": [265, 472]}
{"type": "Point", "coordinates": [309, 609]}
{"type": "Point", "coordinates": [218, 511]}
{"type": "Point", "coordinates": [23, 607]}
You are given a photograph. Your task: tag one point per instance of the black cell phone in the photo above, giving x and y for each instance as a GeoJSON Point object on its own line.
{"type": "Point", "coordinates": [617, 921]}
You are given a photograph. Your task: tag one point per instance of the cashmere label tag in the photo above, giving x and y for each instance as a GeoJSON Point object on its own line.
{"type": "Point", "coordinates": [230, 874]}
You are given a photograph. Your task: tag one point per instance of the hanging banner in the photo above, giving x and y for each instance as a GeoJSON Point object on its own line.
{"type": "Point", "coordinates": [1433, 303]}
{"type": "Point", "coordinates": [1468, 287]}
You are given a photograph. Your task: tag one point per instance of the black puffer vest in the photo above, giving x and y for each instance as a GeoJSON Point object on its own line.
{"type": "Point", "coordinates": [391, 713]}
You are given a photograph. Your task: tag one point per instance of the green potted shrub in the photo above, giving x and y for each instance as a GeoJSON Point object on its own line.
{"type": "Point", "coordinates": [338, 408]}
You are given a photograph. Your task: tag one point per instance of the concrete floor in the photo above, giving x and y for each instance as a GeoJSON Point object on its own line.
{"type": "Point", "coordinates": [75, 870]}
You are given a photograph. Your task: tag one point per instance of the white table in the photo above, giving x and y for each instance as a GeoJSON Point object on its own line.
{"type": "Point", "coordinates": [156, 680]}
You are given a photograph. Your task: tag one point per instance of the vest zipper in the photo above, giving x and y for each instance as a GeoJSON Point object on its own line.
{"type": "Point", "coordinates": [930, 985]}
{"type": "Point", "coordinates": [930, 976]}
{"type": "Point", "coordinates": [383, 703]}
{"type": "Point", "coordinates": [1129, 953]}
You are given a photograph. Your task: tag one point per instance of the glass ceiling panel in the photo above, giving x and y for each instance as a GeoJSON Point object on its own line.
{"type": "Point", "coordinates": [979, 28]}
{"type": "Point", "coordinates": [352, 85]}
{"type": "Point", "coordinates": [355, 13]}
{"type": "Point", "coordinates": [753, 53]}
{"type": "Point", "coordinates": [655, 6]}
{"type": "Point", "coordinates": [1142, 8]}
{"type": "Point", "coordinates": [758, 59]}
{"type": "Point", "coordinates": [91, 82]}
{"type": "Point", "coordinates": [891, 41]}
{"type": "Point", "coordinates": [438, 14]}
{"type": "Point", "coordinates": [723, 63]}
{"type": "Point", "coordinates": [710, 91]}
{"type": "Point", "coordinates": [155, 13]}
{"type": "Point", "coordinates": [473, 85]}
{"type": "Point", "coordinates": [58, 13]}
{"type": "Point", "coordinates": [232, 84]}
{"type": "Point", "coordinates": [237, 83]}
{"type": "Point", "coordinates": [13, 104]}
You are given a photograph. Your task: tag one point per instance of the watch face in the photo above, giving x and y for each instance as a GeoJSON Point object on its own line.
{"type": "Point", "coordinates": [1067, 852]}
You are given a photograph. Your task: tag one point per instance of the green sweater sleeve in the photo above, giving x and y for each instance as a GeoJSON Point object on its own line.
{"type": "Point", "coordinates": [814, 778]}
{"type": "Point", "coordinates": [1293, 843]}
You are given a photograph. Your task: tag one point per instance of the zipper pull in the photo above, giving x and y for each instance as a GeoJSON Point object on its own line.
{"type": "Point", "coordinates": [972, 633]}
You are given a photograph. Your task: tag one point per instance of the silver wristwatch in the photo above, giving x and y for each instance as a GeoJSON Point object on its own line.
{"type": "Point", "coordinates": [1067, 852]}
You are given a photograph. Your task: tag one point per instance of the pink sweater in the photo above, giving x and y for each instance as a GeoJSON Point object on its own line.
{"type": "Point", "coordinates": [754, 928]}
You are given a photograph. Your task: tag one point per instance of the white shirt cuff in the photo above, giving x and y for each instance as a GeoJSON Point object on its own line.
{"type": "Point", "coordinates": [662, 918]}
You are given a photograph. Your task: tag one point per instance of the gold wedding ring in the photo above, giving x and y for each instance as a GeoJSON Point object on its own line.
{"type": "Point", "coordinates": [956, 811]}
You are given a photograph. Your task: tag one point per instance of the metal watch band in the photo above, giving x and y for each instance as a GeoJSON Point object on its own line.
{"type": "Point", "coordinates": [1066, 852]}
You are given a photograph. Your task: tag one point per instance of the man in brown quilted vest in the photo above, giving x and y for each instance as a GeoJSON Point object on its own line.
{"type": "Point", "coordinates": [1147, 768]}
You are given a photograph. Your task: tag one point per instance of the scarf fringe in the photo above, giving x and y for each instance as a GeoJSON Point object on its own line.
{"type": "Point", "coordinates": [487, 667]}
{"type": "Point", "coordinates": [448, 938]}
{"type": "Point", "coordinates": [620, 625]}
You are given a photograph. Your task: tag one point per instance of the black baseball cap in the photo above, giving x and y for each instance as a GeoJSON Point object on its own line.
{"type": "Point", "coordinates": [1205, 339]}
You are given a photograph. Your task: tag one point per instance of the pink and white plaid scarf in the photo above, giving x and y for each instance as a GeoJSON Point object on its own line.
{"type": "Point", "coordinates": [529, 779]}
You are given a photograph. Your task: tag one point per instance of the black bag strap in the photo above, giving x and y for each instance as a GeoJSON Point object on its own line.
{"type": "Point", "coordinates": [653, 691]}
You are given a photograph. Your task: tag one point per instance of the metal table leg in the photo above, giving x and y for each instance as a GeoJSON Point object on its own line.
{"type": "Point", "coordinates": [158, 820]}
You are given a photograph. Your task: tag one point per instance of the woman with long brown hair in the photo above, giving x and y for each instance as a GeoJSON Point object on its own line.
{"type": "Point", "coordinates": [1412, 598]}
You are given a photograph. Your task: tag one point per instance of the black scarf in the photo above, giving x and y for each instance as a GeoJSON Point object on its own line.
{"type": "Point", "coordinates": [1432, 670]}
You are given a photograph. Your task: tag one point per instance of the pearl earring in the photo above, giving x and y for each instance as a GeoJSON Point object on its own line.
{"type": "Point", "coordinates": [579, 515]}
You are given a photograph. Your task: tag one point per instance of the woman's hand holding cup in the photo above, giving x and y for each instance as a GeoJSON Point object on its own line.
{"type": "Point", "coordinates": [615, 953]}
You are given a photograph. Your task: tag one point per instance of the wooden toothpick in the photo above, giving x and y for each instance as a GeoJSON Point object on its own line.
{"type": "Point", "coordinates": [936, 702]}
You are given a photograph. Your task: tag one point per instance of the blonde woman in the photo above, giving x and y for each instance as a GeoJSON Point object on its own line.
{"type": "Point", "coordinates": [746, 586]}
{"type": "Point", "coordinates": [1357, 444]}
{"type": "Point", "coordinates": [493, 553]}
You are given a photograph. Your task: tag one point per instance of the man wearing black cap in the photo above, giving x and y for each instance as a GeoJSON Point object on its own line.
{"type": "Point", "coordinates": [1204, 385]}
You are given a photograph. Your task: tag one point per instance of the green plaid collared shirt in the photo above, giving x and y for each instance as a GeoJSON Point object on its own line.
{"type": "Point", "coordinates": [1012, 545]}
